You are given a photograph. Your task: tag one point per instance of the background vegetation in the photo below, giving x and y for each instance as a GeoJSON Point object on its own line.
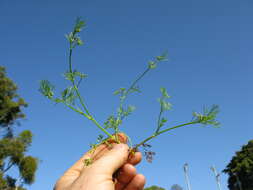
{"type": "Point", "coordinates": [13, 147]}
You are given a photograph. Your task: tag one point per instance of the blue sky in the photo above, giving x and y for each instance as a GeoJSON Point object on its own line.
{"type": "Point", "coordinates": [210, 62]}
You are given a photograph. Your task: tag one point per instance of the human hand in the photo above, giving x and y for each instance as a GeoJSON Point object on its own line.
{"type": "Point", "coordinates": [99, 175]}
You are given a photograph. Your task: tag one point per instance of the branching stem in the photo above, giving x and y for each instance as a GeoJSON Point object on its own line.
{"type": "Point", "coordinates": [128, 90]}
{"type": "Point", "coordinates": [8, 167]}
{"type": "Point", "coordinates": [158, 122]}
{"type": "Point", "coordinates": [137, 80]}
{"type": "Point", "coordinates": [72, 93]}
{"type": "Point", "coordinates": [87, 114]}
{"type": "Point", "coordinates": [81, 99]}
{"type": "Point", "coordinates": [90, 118]}
{"type": "Point", "coordinates": [163, 131]}
{"type": "Point", "coordinates": [73, 81]}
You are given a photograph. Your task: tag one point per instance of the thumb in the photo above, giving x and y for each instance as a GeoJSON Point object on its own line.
{"type": "Point", "coordinates": [112, 160]}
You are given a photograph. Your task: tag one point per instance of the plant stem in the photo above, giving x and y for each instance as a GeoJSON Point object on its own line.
{"type": "Point", "coordinates": [158, 122]}
{"type": "Point", "coordinates": [81, 99]}
{"type": "Point", "coordinates": [178, 126]}
{"type": "Point", "coordinates": [128, 90]}
{"type": "Point", "coordinates": [8, 167]}
{"type": "Point", "coordinates": [100, 127]}
{"type": "Point", "coordinates": [70, 58]}
{"type": "Point", "coordinates": [73, 81]}
{"type": "Point", "coordinates": [90, 118]}
{"type": "Point", "coordinates": [163, 131]}
{"type": "Point", "coordinates": [78, 111]}
{"type": "Point", "coordinates": [139, 78]}
{"type": "Point", "coordinates": [87, 115]}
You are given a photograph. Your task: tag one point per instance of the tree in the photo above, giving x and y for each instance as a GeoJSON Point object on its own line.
{"type": "Point", "coordinates": [13, 148]}
{"type": "Point", "coordinates": [154, 187]}
{"type": "Point", "coordinates": [10, 102]}
{"type": "Point", "coordinates": [176, 187]}
{"type": "Point", "coordinates": [240, 169]}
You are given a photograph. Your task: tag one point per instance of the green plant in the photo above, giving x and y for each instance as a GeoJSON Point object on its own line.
{"type": "Point", "coordinates": [11, 104]}
{"type": "Point", "coordinates": [240, 168]}
{"type": "Point", "coordinates": [14, 148]}
{"type": "Point", "coordinates": [71, 97]}
{"type": "Point", "coordinates": [154, 187]}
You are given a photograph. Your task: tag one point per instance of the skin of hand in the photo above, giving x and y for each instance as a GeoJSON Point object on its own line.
{"type": "Point", "coordinates": [100, 175]}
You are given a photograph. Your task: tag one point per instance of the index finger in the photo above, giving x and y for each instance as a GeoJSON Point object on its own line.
{"type": "Point", "coordinates": [98, 152]}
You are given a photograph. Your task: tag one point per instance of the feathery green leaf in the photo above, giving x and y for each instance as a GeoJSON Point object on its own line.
{"type": "Point", "coordinates": [46, 88]}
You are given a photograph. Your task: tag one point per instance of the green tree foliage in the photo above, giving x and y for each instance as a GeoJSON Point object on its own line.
{"type": "Point", "coordinates": [240, 169]}
{"type": "Point", "coordinates": [154, 187]}
{"type": "Point", "coordinates": [176, 187]}
{"type": "Point", "coordinates": [10, 102]}
{"type": "Point", "coordinates": [13, 148]}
